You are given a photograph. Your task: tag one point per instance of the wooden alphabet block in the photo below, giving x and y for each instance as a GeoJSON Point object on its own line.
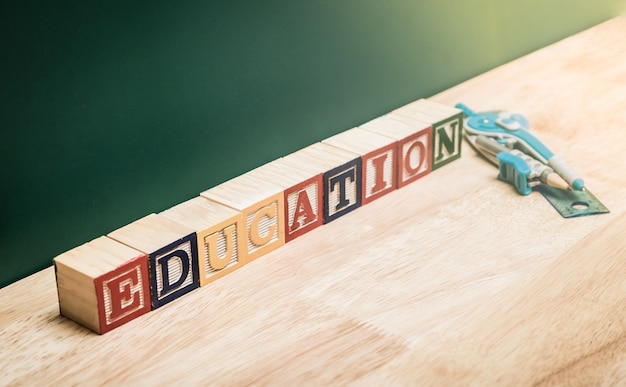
{"type": "Point", "coordinates": [378, 160]}
{"type": "Point", "coordinates": [172, 255]}
{"type": "Point", "coordinates": [342, 177]}
{"type": "Point", "coordinates": [302, 195]}
{"type": "Point", "coordinates": [261, 204]}
{"type": "Point", "coordinates": [102, 284]}
{"type": "Point", "coordinates": [414, 145]}
{"type": "Point", "coordinates": [447, 123]}
{"type": "Point", "coordinates": [221, 236]}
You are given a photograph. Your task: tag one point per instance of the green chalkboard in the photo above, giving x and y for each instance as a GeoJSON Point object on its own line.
{"type": "Point", "coordinates": [113, 110]}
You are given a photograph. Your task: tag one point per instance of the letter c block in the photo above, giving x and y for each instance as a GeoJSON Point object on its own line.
{"type": "Point", "coordinates": [261, 204]}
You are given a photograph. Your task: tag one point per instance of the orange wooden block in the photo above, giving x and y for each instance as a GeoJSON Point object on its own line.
{"type": "Point", "coordinates": [172, 255]}
{"type": "Point", "coordinates": [414, 145]}
{"type": "Point", "coordinates": [261, 204]}
{"type": "Point", "coordinates": [220, 233]}
{"type": "Point", "coordinates": [378, 158]}
{"type": "Point", "coordinates": [102, 284]}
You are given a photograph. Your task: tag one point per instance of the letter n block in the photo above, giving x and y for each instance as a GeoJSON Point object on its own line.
{"type": "Point", "coordinates": [221, 236]}
{"type": "Point", "coordinates": [447, 123]}
{"type": "Point", "coordinates": [102, 284]}
{"type": "Point", "coordinates": [378, 160]}
{"type": "Point", "coordinates": [261, 205]}
{"type": "Point", "coordinates": [414, 145]}
{"type": "Point", "coordinates": [302, 193]}
{"type": "Point", "coordinates": [342, 179]}
{"type": "Point", "coordinates": [172, 255]}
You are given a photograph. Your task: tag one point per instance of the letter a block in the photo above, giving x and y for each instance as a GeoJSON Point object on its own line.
{"type": "Point", "coordinates": [172, 255]}
{"type": "Point", "coordinates": [414, 145]}
{"type": "Point", "coordinates": [261, 205]}
{"type": "Point", "coordinates": [102, 284]}
{"type": "Point", "coordinates": [447, 123]}
{"type": "Point", "coordinates": [378, 160]}
{"type": "Point", "coordinates": [303, 197]}
{"type": "Point", "coordinates": [220, 233]}
{"type": "Point", "coordinates": [341, 177]}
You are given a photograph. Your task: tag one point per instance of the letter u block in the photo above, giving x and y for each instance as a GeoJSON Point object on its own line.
{"type": "Point", "coordinates": [220, 236]}
{"type": "Point", "coordinates": [102, 284]}
{"type": "Point", "coordinates": [262, 207]}
{"type": "Point", "coordinates": [414, 145]}
{"type": "Point", "coordinates": [342, 179]}
{"type": "Point", "coordinates": [447, 123]}
{"type": "Point", "coordinates": [378, 160]}
{"type": "Point", "coordinates": [172, 255]}
{"type": "Point", "coordinates": [302, 193]}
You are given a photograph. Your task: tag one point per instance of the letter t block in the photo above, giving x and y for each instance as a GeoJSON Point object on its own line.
{"type": "Point", "coordinates": [172, 255]}
{"type": "Point", "coordinates": [102, 284]}
{"type": "Point", "coordinates": [378, 158]}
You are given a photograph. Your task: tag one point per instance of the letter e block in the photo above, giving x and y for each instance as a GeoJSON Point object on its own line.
{"type": "Point", "coordinates": [378, 160]}
{"type": "Point", "coordinates": [262, 207]}
{"type": "Point", "coordinates": [447, 123]}
{"type": "Point", "coordinates": [172, 255]}
{"type": "Point", "coordinates": [414, 145]}
{"type": "Point", "coordinates": [220, 233]}
{"type": "Point", "coordinates": [102, 284]}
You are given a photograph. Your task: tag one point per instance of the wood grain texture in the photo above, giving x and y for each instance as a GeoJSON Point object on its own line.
{"type": "Point", "coordinates": [452, 280]}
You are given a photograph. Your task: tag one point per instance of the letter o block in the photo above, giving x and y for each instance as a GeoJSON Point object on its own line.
{"type": "Point", "coordinates": [172, 255]}
{"type": "Point", "coordinates": [102, 284]}
{"type": "Point", "coordinates": [447, 128]}
{"type": "Point", "coordinates": [414, 145]}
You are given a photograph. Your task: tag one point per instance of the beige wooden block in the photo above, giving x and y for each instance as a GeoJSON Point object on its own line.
{"type": "Point", "coordinates": [220, 236]}
{"type": "Point", "coordinates": [172, 255]}
{"type": "Point", "coordinates": [378, 160]}
{"type": "Point", "coordinates": [261, 204]}
{"type": "Point", "coordinates": [102, 284]}
{"type": "Point", "coordinates": [414, 144]}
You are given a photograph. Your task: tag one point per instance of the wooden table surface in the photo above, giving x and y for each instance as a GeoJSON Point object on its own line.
{"type": "Point", "coordinates": [454, 279]}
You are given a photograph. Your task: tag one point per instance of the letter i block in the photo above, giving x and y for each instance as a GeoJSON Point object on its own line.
{"type": "Point", "coordinates": [414, 145]}
{"type": "Point", "coordinates": [302, 193]}
{"type": "Point", "coordinates": [172, 255]}
{"type": "Point", "coordinates": [221, 237]}
{"type": "Point", "coordinates": [378, 160]}
{"type": "Point", "coordinates": [261, 205]}
{"type": "Point", "coordinates": [342, 177]}
{"type": "Point", "coordinates": [102, 284]}
{"type": "Point", "coordinates": [447, 123]}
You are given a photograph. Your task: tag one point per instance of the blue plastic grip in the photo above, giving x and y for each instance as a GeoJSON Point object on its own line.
{"type": "Point", "coordinates": [514, 170]}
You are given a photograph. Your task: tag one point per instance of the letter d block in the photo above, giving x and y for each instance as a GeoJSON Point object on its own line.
{"type": "Point", "coordinates": [261, 205]}
{"type": "Point", "coordinates": [172, 255]}
{"type": "Point", "coordinates": [221, 236]}
{"type": "Point", "coordinates": [414, 145]}
{"type": "Point", "coordinates": [447, 123]}
{"type": "Point", "coordinates": [378, 160]}
{"type": "Point", "coordinates": [102, 284]}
